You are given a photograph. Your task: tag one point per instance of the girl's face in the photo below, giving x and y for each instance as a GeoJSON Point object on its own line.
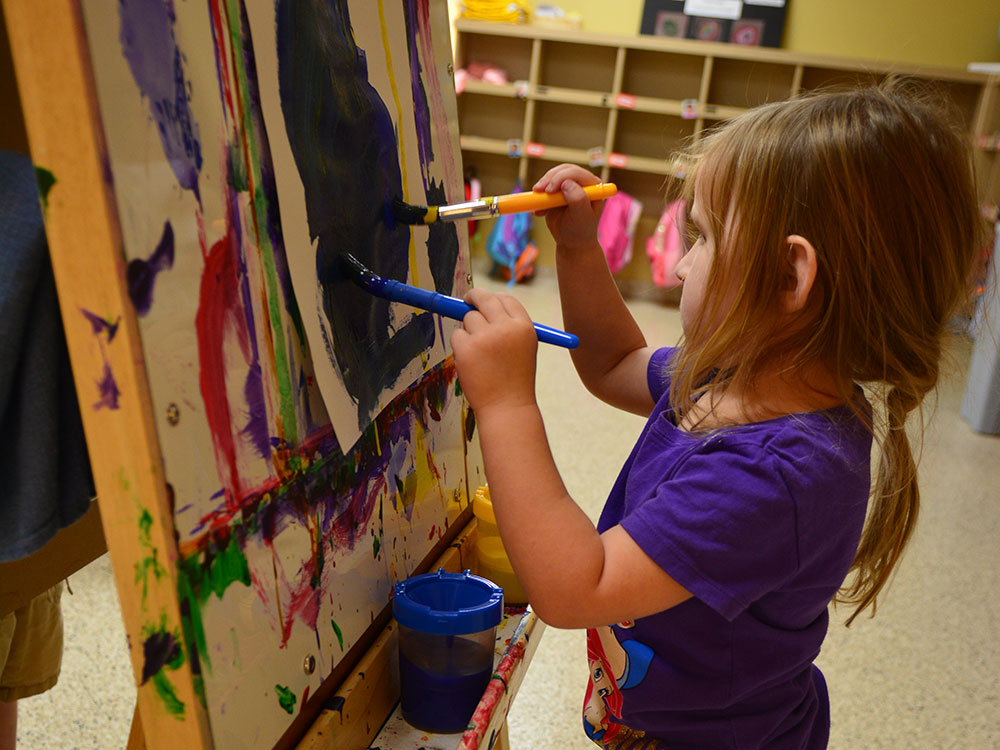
{"type": "Point", "coordinates": [693, 268]}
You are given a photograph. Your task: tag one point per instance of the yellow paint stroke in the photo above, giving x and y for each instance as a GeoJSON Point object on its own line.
{"type": "Point", "coordinates": [399, 120]}
{"type": "Point", "coordinates": [427, 476]}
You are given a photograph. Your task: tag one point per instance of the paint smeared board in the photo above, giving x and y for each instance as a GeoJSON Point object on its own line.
{"type": "Point", "coordinates": [249, 142]}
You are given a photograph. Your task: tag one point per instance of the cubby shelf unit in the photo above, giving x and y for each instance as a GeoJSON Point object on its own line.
{"type": "Point", "coordinates": [623, 105]}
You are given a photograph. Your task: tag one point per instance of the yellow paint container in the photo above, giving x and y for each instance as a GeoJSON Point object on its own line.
{"type": "Point", "coordinates": [491, 556]}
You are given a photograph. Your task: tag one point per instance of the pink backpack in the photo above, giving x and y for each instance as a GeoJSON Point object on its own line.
{"type": "Point", "coordinates": [664, 246]}
{"type": "Point", "coordinates": [616, 229]}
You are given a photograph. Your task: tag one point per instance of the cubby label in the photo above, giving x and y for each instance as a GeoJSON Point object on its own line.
{"type": "Point", "coordinates": [595, 157]}
{"type": "Point", "coordinates": [625, 101]}
{"type": "Point", "coordinates": [534, 149]}
{"type": "Point", "coordinates": [689, 109]}
{"type": "Point", "coordinates": [617, 160]}
{"type": "Point", "coordinates": [514, 147]}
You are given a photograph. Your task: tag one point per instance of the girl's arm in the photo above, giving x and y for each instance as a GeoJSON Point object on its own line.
{"type": "Point", "coordinates": [574, 577]}
{"type": "Point", "coordinates": [613, 356]}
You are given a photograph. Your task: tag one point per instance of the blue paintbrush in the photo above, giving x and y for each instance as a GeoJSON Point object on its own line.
{"type": "Point", "coordinates": [450, 307]}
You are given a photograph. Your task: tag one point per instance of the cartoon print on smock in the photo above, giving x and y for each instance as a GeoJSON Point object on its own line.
{"type": "Point", "coordinates": [614, 666]}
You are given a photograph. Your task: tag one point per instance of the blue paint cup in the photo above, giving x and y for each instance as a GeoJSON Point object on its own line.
{"type": "Point", "coordinates": [447, 629]}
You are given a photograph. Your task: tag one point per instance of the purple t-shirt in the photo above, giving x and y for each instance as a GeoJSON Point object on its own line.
{"type": "Point", "coordinates": [760, 522]}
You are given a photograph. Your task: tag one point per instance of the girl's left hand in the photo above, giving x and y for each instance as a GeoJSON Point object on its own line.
{"type": "Point", "coordinates": [495, 352]}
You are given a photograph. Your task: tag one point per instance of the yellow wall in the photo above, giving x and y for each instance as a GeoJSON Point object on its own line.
{"type": "Point", "coordinates": [950, 33]}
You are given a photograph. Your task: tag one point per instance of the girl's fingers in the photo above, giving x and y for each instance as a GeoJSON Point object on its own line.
{"type": "Point", "coordinates": [485, 303]}
{"type": "Point", "coordinates": [491, 308]}
{"type": "Point", "coordinates": [473, 321]}
{"type": "Point", "coordinates": [552, 181]}
{"type": "Point", "coordinates": [513, 307]}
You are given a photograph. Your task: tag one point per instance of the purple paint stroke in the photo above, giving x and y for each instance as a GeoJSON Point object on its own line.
{"type": "Point", "coordinates": [158, 650]}
{"type": "Point", "coordinates": [146, 34]}
{"type": "Point", "coordinates": [421, 114]}
{"type": "Point", "coordinates": [140, 274]}
{"type": "Point", "coordinates": [442, 237]}
{"type": "Point", "coordinates": [268, 185]}
{"type": "Point", "coordinates": [100, 325]}
{"type": "Point", "coordinates": [108, 390]}
{"type": "Point", "coordinates": [256, 427]}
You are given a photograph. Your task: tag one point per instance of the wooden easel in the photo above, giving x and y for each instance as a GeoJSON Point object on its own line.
{"type": "Point", "coordinates": [58, 100]}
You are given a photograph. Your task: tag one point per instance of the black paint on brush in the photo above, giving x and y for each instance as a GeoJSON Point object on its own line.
{"type": "Point", "coordinates": [356, 271]}
{"type": "Point", "coordinates": [408, 214]}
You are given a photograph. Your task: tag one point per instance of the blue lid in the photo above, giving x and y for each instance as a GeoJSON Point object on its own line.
{"type": "Point", "coordinates": [447, 603]}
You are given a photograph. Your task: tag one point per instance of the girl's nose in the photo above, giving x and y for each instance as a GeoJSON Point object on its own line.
{"type": "Point", "coordinates": [680, 270]}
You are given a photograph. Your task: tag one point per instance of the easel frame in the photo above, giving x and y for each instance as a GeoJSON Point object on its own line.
{"type": "Point", "coordinates": [65, 137]}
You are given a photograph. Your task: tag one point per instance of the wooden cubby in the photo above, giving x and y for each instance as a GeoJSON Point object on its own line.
{"type": "Point", "coordinates": [621, 105]}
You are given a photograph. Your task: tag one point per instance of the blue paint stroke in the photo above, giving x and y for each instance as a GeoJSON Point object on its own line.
{"type": "Point", "coordinates": [147, 40]}
{"type": "Point", "coordinates": [140, 274]}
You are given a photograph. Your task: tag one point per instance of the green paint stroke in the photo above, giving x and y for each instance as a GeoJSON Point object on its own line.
{"type": "Point", "coordinates": [166, 692]}
{"type": "Point", "coordinates": [259, 205]}
{"type": "Point", "coordinates": [228, 567]}
{"type": "Point", "coordinates": [237, 171]}
{"type": "Point", "coordinates": [340, 634]}
{"type": "Point", "coordinates": [149, 563]}
{"type": "Point", "coordinates": [45, 182]}
{"type": "Point", "coordinates": [286, 698]}
{"type": "Point", "coordinates": [201, 575]}
{"type": "Point", "coordinates": [376, 544]}
{"type": "Point", "coordinates": [162, 651]}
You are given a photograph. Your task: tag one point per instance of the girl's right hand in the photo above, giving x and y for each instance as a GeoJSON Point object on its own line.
{"type": "Point", "coordinates": [573, 226]}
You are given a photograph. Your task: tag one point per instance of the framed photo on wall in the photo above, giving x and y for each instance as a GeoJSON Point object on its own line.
{"type": "Point", "coordinates": [756, 23]}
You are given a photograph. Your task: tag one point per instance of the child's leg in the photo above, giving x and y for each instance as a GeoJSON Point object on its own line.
{"type": "Point", "coordinates": [8, 725]}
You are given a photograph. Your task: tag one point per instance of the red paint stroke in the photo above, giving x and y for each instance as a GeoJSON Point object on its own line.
{"type": "Point", "coordinates": [495, 690]}
{"type": "Point", "coordinates": [221, 37]}
{"type": "Point", "coordinates": [220, 317]}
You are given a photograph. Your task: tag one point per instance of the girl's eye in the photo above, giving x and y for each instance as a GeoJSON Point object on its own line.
{"type": "Point", "coordinates": [692, 238]}
{"type": "Point", "coordinates": [598, 674]}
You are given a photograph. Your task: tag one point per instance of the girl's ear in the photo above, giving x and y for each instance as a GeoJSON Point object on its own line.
{"type": "Point", "coordinates": [799, 273]}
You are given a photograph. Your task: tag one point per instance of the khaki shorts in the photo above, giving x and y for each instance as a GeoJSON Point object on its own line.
{"type": "Point", "coordinates": [31, 646]}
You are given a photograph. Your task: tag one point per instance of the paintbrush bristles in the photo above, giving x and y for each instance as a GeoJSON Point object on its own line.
{"type": "Point", "coordinates": [355, 270]}
{"type": "Point", "coordinates": [406, 213]}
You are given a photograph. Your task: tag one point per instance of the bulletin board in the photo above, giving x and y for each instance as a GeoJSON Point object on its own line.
{"type": "Point", "coordinates": [755, 23]}
{"type": "Point", "coordinates": [273, 448]}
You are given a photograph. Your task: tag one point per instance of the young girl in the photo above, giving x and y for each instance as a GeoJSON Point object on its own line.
{"type": "Point", "coordinates": [834, 238]}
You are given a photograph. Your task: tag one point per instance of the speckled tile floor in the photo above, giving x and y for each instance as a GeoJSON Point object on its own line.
{"type": "Point", "coordinates": [925, 673]}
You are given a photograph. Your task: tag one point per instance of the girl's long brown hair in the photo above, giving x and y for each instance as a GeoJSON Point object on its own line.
{"type": "Point", "coordinates": [879, 180]}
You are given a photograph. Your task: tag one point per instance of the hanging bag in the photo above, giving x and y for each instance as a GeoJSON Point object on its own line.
{"type": "Point", "coordinates": [665, 246]}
